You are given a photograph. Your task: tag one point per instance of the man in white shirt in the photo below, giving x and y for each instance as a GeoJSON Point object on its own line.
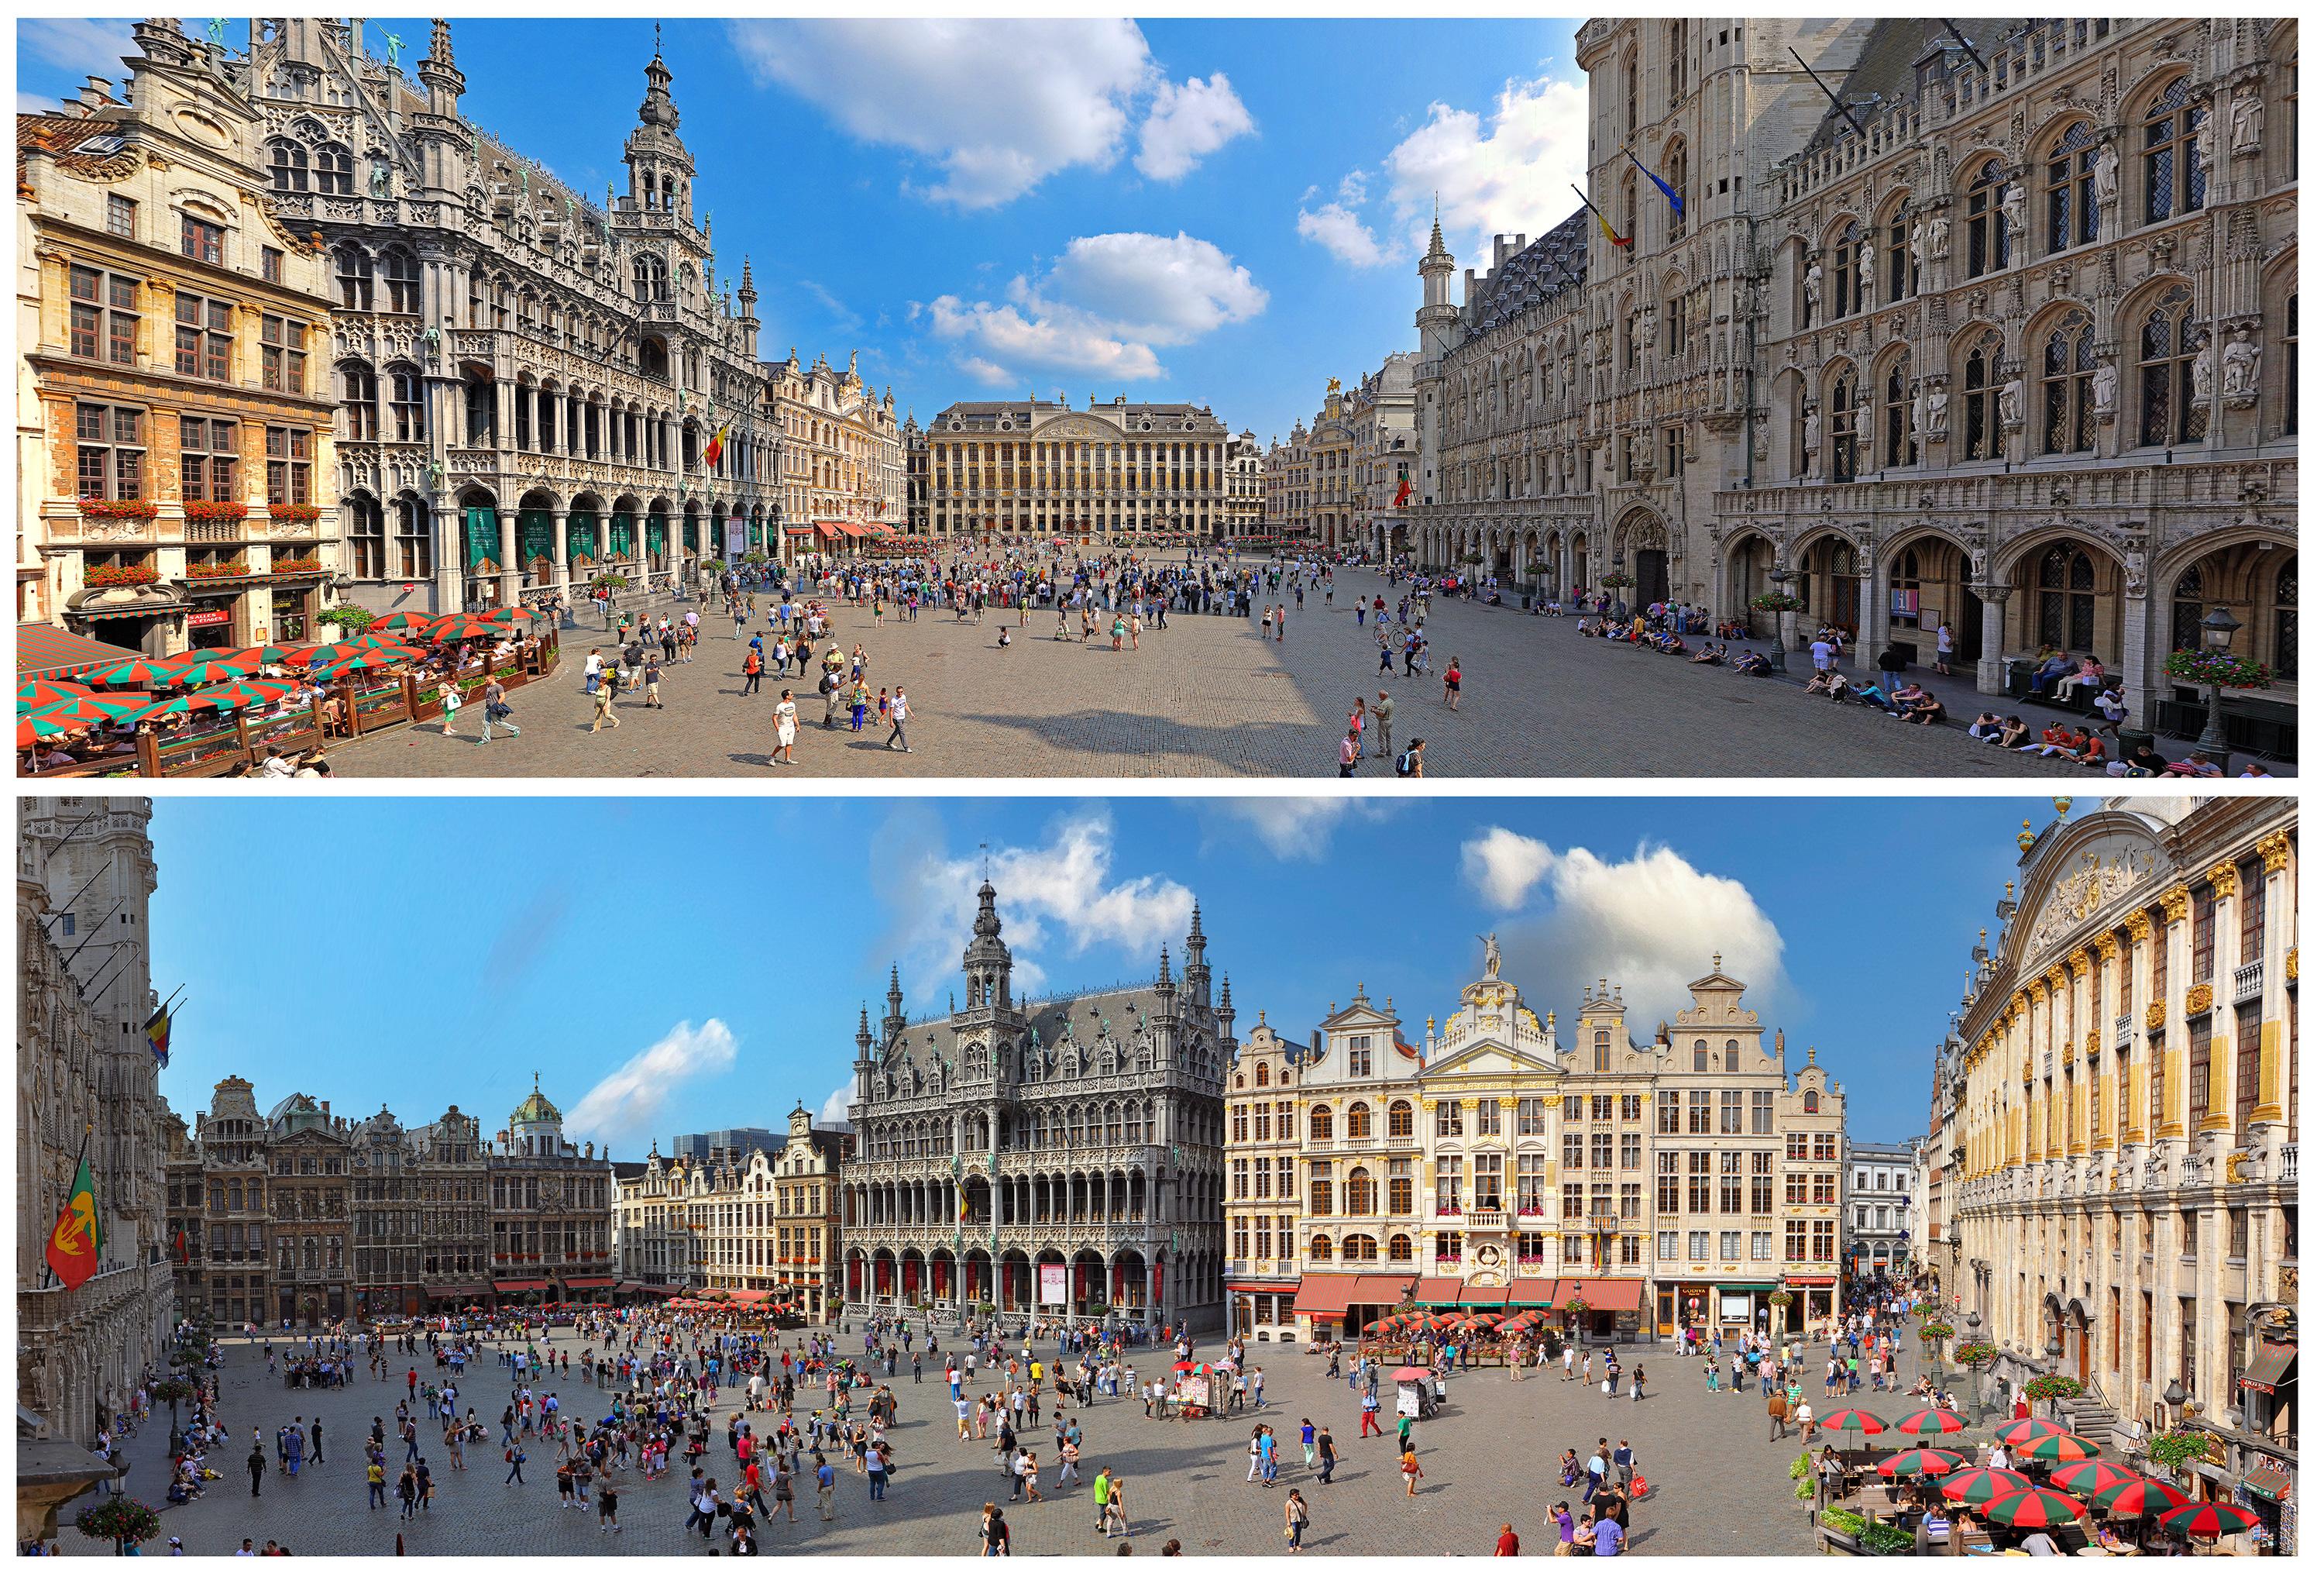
{"type": "Point", "coordinates": [591, 669]}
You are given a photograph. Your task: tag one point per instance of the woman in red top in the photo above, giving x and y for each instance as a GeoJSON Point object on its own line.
{"type": "Point", "coordinates": [1452, 685]}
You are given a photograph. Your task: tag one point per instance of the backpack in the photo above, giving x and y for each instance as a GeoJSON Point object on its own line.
{"type": "Point", "coordinates": [1404, 764]}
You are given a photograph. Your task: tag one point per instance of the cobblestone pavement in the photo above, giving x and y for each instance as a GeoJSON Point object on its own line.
{"type": "Point", "coordinates": [1718, 1484]}
{"type": "Point", "coordinates": [1206, 698]}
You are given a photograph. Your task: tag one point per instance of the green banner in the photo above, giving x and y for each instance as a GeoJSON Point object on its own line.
{"type": "Point", "coordinates": [656, 534]}
{"type": "Point", "coordinates": [581, 535]}
{"type": "Point", "coordinates": [758, 537]}
{"type": "Point", "coordinates": [483, 533]}
{"type": "Point", "coordinates": [693, 535]}
{"type": "Point", "coordinates": [536, 536]}
{"type": "Point", "coordinates": [618, 545]}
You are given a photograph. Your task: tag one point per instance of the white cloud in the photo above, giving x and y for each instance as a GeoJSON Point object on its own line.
{"type": "Point", "coordinates": [1185, 123]}
{"type": "Point", "coordinates": [1505, 172]}
{"type": "Point", "coordinates": [839, 311]}
{"type": "Point", "coordinates": [35, 104]}
{"type": "Point", "coordinates": [625, 1105]}
{"type": "Point", "coordinates": [1648, 925]}
{"type": "Point", "coordinates": [81, 46]}
{"type": "Point", "coordinates": [999, 106]}
{"type": "Point", "coordinates": [1102, 308]}
{"type": "Point", "coordinates": [1503, 867]}
{"type": "Point", "coordinates": [1297, 827]}
{"type": "Point", "coordinates": [834, 1107]}
{"type": "Point", "coordinates": [1340, 232]}
{"type": "Point", "coordinates": [1062, 896]}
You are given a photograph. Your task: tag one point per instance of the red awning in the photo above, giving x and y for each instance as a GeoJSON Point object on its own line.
{"type": "Point", "coordinates": [46, 651]}
{"type": "Point", "coordinates": [799, 531]}
{"type": "Point", "coordinates": [1437, 1291]}
{"type": "Point", "coordinates": [1381, 1288]}
{"type": "Point", "coordinates": [519, 1286]}
{"type": "Point", "coordinates": [1603, 1294]}
{"type": "Point", "coordinates": [1325, 1295]}
{"type": "Point", "coordinates": [1540, 1292]}
{"type": "Point", "coordinates": [1263, 1286]}
{"type": "Point", "coordinates": [589, 1283]}
{"type": "Point", "coordinates": [752, 1296]}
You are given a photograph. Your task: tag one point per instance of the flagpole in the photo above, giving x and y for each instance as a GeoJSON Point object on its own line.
{"type": "Point", "coordinates": [88, 1128]}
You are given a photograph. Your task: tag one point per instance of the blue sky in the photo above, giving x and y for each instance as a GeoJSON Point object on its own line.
{"type": "Point", "coordinates": [1200, 210]}
{"type": "Point", "coordinates": [683, 963]}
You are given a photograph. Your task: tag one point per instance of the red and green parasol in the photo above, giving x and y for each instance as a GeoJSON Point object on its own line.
{"type": "Point", "coordinates": [2063, 1448]}
{"type": "Point", "coordinates": [1852, 1421]}
{"type": "Point", "coordinates": [1981, 1485]}
{"type": "Point", "coordinates": [2033, 1508]}
{"type": "Point", "coordinates": [2018, 1433]}
{"type": "Point", "coordinates": [141, 672]}
{"type": "Point", "coordinates": [201, 666]}
{"type": "Point", "coordinates": [2138, 1499]}
{"type": "Point", "coordinates": [2208, 1521]}
{"type": "Point", "coordinates": [33, 694]}
{"type": "Point", "coordinates": [1931, 1421]}
{"type": "Point", "coordinates": [1920, 1462]}
{"type": "Point", "coordinates": [2091, 1477]}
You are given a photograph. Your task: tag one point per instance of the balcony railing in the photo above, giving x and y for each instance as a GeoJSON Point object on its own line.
{"type": "Point", "coordinates": [1493, 1220]}
{"type": "Point", "coordinates": [2247, 981]}
{"type": "Point", "coordinates": [2287, 1163]}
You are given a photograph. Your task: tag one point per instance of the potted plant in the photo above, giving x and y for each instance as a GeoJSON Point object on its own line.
{"type": "Point", "coordinates": [120, 576]}
{"type": "Point", "coordinates": [1976, 1354]}
{"type": "Point", "coordinates": [295, 513]}
{"type": "Point", "coordinates": [119, 1520]}
{"type": "Point", "coordinates": [217, 572]}
{"type": "Point", "coordinates": [1777, 603]}
{"type": "Point", "coordinates": [2231, 671]}
{"type": "Point", "coordinates": [169, 1392]}
{"type": "Point", "coordinates": [1577, 1310]}
{"type": "Point", "coordinates": [216, 510]}
{"type": "Point", "coordinates": [2171, 1450]}
{"type": "Point", "coordinates": [348, 618]}
{"type": "Point", "coordinates": [118, 510]}
{"type": "Point", "coordinates": [2054, 1387]}
{"type": "Point", "coordinates": [1614, 581]}
{"type": "Point", "coordinates": [1936, 1331]}
{"type": "Point", "coordinates": [1538, 569]}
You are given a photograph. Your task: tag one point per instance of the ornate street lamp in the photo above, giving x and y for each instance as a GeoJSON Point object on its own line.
{"type": "Point", "coordinates": [2175, 1396]}
{"type": "Point", "coordinates": [1782, 576]}
{"type": "Point", "coordinates": [2219, 629]}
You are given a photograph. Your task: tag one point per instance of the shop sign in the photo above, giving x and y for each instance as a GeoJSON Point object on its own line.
{"type": "Point", "coordinates": [209, 617]}
{"type": "Point", "coordinates": [1053, 1283]}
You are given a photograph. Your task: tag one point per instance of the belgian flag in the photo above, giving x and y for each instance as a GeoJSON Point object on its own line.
{"type": "Point", "coordinates": [716, 447]}
{"type": "Point", "coordinates": [79, 1235]}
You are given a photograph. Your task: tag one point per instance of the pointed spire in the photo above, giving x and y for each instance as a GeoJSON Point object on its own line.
{"type": "Point", "coordinates": [439, 43]}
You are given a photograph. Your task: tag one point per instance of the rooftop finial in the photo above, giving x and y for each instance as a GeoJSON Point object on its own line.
{"type": "Point", "coordinates": [657, 40]}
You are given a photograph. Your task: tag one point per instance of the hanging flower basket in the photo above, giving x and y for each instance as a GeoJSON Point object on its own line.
{"type": "Point", "coordinates": [1577, 1308]}
{"type": "Point", "coordinates": [217, 572]}
{"type": "Point", "coordinates": [349, 618]}
{"type": "Point", "coordinates": [1936, 1331]}
{"type": "Point", "coordinates": [121, 575]}
{"type": "Point", "coordinates": [2054, 1388]}
{"type": "Point", "coordinates": [1616, 581]}
{"type": "Point", "coordinates": [1780, 1300]}
{"type": "Point", "coordinates": [295, 513]}
{"type": "Point", "coordinates": [1472, 557]}
{"type": "Point", "coordinates": [118, 1519]}
{"type": "Point", "coordinates": [119, 509]}
{"type": "Point", "coordinates": [1538, 569]}
{"type": "Point", "coordinates": [1777, 603]}
{"type": "Point", "coordinates": [2198, 666]}
{"type": "Point", "coordinates": [216, 510]}
{"type": "Point", "coordinates": [610, 582]}
{"type": "Point", "coordinates": [1977, 1354]}
{"type": "Point", "coordinates": [2173, 1449]}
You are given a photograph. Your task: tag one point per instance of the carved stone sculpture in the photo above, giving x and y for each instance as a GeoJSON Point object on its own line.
{"type": "Point", "coordinates": [1812, 424]}
{"type": "Point", "coordinates": [2013, 403]}
{"type": "Point", "coordinates": [2106, 173]}
{"type": "Point", "coordinates": [2012, 208]}
{"type": "Point", "coordinates": [2103, 380]}
{"type": "Point", "coordinates": [2244, 121]}
{"type": "Point", "coordinates": [2239, 370]}
{"type": "Point", "coordinates": [1814, 291]}
{"type": "Point", "coordinates": [1940, 234]}
{"type": "Point", "coordinates": [2201, 371]}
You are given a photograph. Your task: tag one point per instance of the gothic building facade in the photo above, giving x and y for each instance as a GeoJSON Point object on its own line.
{"type": "Point", "coordinates": [528, 380]}
{"type": "Point", "coordinates": [2003, 340]}
{"type": "Point", "coordinates": [1050, 1157]}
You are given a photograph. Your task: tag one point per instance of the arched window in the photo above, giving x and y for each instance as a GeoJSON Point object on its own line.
{"type": "Point", "coordinates": [1897, 448]}
{"type": "Point", "coordinates": [1399, 1248]}
{"type": "Point", "coordinates": [334, 171]}
{"type": "Point", "coordinates": [407, 421]}
{"type": "Point", "coordinates": [1318, 1249]}
{"type": "Point", "coordinates": [2066, 611]}
{"type": "Point", "coordinates": [401, 272]}
{"type": "Point", "coordinates": [1359, 1248]}
{"type": "Point", "coordinates": [2069, 358]}
{"type": "Point", "coordinates": [1630, 205]}
{"type": "Point", "coordinates": [1980, 415]}
{"type": "Point", "coordinates": [1811, 1102]}
{"type": "Point", "coordinates": [355, 278]}
{"type": "Point", "coordinates": [2290, 365]}
{"type": "Point", "coordinates": [2168, 343]}
{"type": "Point", "coordinates": [1262, 1072]}
{"type": "Point", "coordinates": [2170, 147]}
{"type": "Point", "coordinates": [1702, 1056]}
{"type": "Point", "coordinates": [1362, 1199]}
{"type": "Point", "coordinates": [2286, 620]}
{"type": "Point", "coordinates": [1904, 280]}
{"type": "Point", "coordinates": [1840, 420]}
{"type": "Point", "coordinates": [1734, 1055]}
{"type": "Point", "coordinates": [2068, 191]}
{"type": "Point", "coordinates": [287, 162]}
{"type": "Point", "coordinates": [1319, 1124]}
{"type": "Point", "coordinates": [2187, 609]}
{"type": "Point", "coordinates": [414, 552]}
{"type": "Point", "coordinates": [1359, 1122]}
{"type": "Point", "coordinates": [1630, 96]}
{"type": "Point", "coordinates": [1988, 232]}
{"type": "Point", "coordinates": [359, 393]}
{"type": "Point", "coordinates": [1400, 1119]}
{"type": "Point", "coordinates": [1846, 283]}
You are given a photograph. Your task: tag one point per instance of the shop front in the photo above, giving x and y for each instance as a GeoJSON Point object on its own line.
{"type": "Point", "coordinates": [1729, 1310]}
{"type": "Point", "coordinates": [1263, 1309]}
{"type": "Point", "coordinates": [1815, 1301]}
{"type": "Point", "coordinates": [293, 605]}
{"type": "Point", "coordinates": [214, 620]}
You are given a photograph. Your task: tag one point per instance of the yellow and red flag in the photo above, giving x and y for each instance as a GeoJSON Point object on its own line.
{"type": "Point", "coordinates": [78, 1236]}
{"type": "Point", "coordinates": [716, 447]}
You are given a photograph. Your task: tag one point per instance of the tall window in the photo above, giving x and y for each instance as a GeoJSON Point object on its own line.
{"type": "Point", "coordinates": [400, 273]}
{"type": "Point", "coordinates": [414, 547]}
{"type": "Point", "coordinates": [359, 398]}
{"type": "Point", "coordinates": [282, 354]}
{"type": "Point", "coordinates": [2069, 358]}
{"type": "Point", "coordinates": [1980, 414]}
{"type": "Point", "coordinates": [334, 171]}
{"type": "Point", "coordinates": [200, 240]}
{"type": "Point", "coordinates": [103, 316]}
{"type": "Point", "coordinates": [2171, 146]}
{"type": "Point", "coordinates": [1989, 235]}
{"type": "Point", "coordinates": [2068, 191]}
{"type": "Point", "coordinates": [2292, 364]}
{"type": "Point", "coordinates": [1359, 1056]}
{"type": "Point", "coordinates": [1846, 290]}
{"type": "Point", "coordinates": [1630, 95]}
{"type": "Point", "coordinates": [2067, 599]}
{"type": "Point", "coordinates": [206, 455]}
{"type": "Point", "coordinates": [355, 278]}
{"type": "Point", "coordinates": [366, 537]}
{"type": "Point", "coordinates": [1840, 416]}
{"type": "Point", "coordinates": [1897, 446]}
{"type": "Point", "coordinates": [288, 162]}
{"type": "Point", "coordinates": [111, 459]}
{"type": "Point", "coordinates": [1674, 171]}
{"type": "Point", "coordinates": [120, 215]}
{"type": "Point", "coordinates": [406, 420]}
{"type": "Point", "coordinates": [1903, 282]}
{"type": "Point", "coordinates": [2168, 412]}
{"type": "Point", "coordinates": [290, 459]}
{"type": "Point", "coordinates": [205, 348]}
{"type": "Point", "coordinates": [2286, 615]}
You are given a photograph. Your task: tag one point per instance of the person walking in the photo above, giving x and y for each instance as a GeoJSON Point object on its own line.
{"type": "Point", "coordinates": [1384, 710]}
{"type": "Point", "coordinates": [1452, 685]}
{"type": "Point", "coordinates": [1351, 747]}
{"type": "Point", "coordinates": [1294, 1519]}
{"type": "Point", "coordinates": [1100, 1491]}
{"type": "Point", "coordinates": [1409, 1467]}
{"type": "Point", "coordinates": [653, 681]}
{"type": "Point", "coordinates": [1117, 1519]}
{"type": "Point", "coordinates": [604, 717]}
{"type": "Point", "coordinates": [899, 710]}
{"type": "Point", "coordinates": [451, 703]}
{"type": "Point", "coordinates": [1368, 1426]}
{"type": "Point", "coordinates": [826, 1488]}
{"type": "Point", "coordinates": [257, 1463]}
{"type": "Point", "coordinates": [786, 728]}
{"type": "Point", "coordinates": [754, 668]}
{"type": "Point", "coordinates": [496, 711]}
{"type": "Point", "coordinates": [1328, 1454]}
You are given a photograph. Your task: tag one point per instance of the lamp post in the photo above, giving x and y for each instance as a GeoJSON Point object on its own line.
{"type": "Point", "coordinates": [2219, 629]}
{"type": "Point", "coordinates": [2175, 1397]}
{"type": "Point", "coordinates": [1782, 576]}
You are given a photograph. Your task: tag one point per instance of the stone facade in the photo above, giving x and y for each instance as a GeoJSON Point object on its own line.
{"type": "Point", "coordinates": [1880, 1191]}
{"type": "Point", "coordinates": [1289, 484]}
{"type": "Point", "coordinates": [1031, 470]}
{"type": "Point", "coordinates": [915, 440]}
{"type": "Point", "coordinates": [422, 1239]}
{"type": "Point", "coordinates": [1046, 1157]}
{"type": "Point", "coordinates": [843, 460]}
{"type": "Point", "coordinates": [2122, 1135]}
{"type": "Point", "coordinates": [761, 1222]}
{"type": "Point", "coordinates": [553, 1210]}
{"type": "Point", "coordinates": [1486, 1166]}
{"type": "Point", "coordinates": [84, 1081]}
{"type": "Point", "coordinates": [2013, 350]}
{"type": "Point", "coordinates": [176, 480]}
{"type": "Point", "coordinates": [1246, 487]}
{"type": "Point", "coordinates": [1386, 458]}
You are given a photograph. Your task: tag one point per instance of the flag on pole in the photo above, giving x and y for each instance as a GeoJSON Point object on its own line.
{"type": "Point", "coordinates": [716, 447]}
{"type": "Point", "coordinates": [157, 1034]}
{"type": "Point", "coordinates": [185, 1257]}
{"type": "Point", "coordinates": [1403, 493]}
{"type": "Point", "coordinates": [1677, 203]}
{"type": "Point", "coordinates": [77, 1238]}
{"type": "Point", "coordinates": [1619, 241]}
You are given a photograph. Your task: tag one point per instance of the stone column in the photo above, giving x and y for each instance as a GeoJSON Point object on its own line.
{"type": "Point", "coordinates": [563, 572]}
{"type": "Point", "coordinates": [2138, 691]}
{"type": "Point", "coordinates": [1992, 668]}
{"type": "Point", "coordinates": [2275, 1005]}
{"type": "Point", "coordinates": [512, 574]}
{"type": "Point", "coordinates": [451, 556]}
{"type": "Point", "coordinates": [1870, 625]}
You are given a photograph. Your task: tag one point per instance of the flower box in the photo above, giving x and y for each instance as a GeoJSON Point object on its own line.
{"type": "Point", "coordinates": [216, 510]}
{"type": "Point", "coordinates": [121, 575]}
{"type": "Point", "coordinates": [295, 513]}
{"type": "Point", "coordinates": [119, 509]}
{"type": "Point", "coordinates": [217, 572]}
{"type": "Point", "coordinates": [302, 564]}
